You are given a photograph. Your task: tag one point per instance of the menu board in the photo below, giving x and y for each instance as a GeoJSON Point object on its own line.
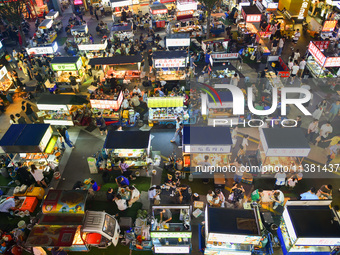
{"type": "Point", "coordinates": [165, 62]}
{"type": "Point", "coordinates": [159, 102]}
{"type": "Point", "coordinates": [232, 238]}
{"type": "Point", "coordinates": [329, 25]}
{"type": "Point", "coordinates": [171, 234]}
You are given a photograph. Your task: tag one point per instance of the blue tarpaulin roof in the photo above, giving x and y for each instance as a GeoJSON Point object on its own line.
{"type": "Point", "coordinates": [206, 135]}
{"type": "Point", "coordinates": [23, 138]}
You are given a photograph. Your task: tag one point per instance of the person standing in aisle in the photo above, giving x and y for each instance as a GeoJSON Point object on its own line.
{"type": "Point", "coordinates": [295, 70]}
{"type": "Point", "coordinates": [235, 80]}
{"type": "Point", "coordinates": [100, 122]}
{"type": "Point", "coordinates": [280, 180]}
{"type": "Point", "coordinates": [178, 127]}
{"type": "Point", "coordinates": [38, 176]}
{"type": "Point", "coordinates": [334, 110]}
{"type": "Point", "coordinates": [64, 136]}
{"type": "Point", "coordinates": [296, 38]}
{"type": "Point", "coordinates": [274, 45]}
{"type": "Point", "coordinates": [320, 108]}
{"type": "Point", "coordinates": [281, 44]}
{"type": "Point", "coordinates": [296, 55]}
{"type": "Point", "coordinates": [302, 66]}
{"type": "Point", "coordinates": [313, 129]}
{"type": "Point", "coordinates": [29, 111]}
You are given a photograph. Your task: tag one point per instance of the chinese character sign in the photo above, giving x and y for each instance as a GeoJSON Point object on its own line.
{"type": "Point", "coordinates": [253, 18]}
{"type": "Point", "coordinates": [332, 62]}
{"type": "Point", "coordinates": [317, 54]}
{"type": "Point", "coordinates": [175, 62]}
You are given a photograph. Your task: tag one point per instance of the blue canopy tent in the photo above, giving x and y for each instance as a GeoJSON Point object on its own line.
{"type": "Point", "coordinates": [26, 138]}
{"type": "Point", "coordinates": [199, 142]}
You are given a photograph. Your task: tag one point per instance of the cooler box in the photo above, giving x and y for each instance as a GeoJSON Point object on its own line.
{"type": "Point", "coordinates": [37, 192]}
{"type": "Point", "coordinates": [219, 180]}
{"type": "Point", "coordinates": [29, 204]}
{"type": "Point", "coordinates": [247, 178]}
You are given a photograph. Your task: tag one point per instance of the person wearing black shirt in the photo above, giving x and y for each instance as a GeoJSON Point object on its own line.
{"type": "Point", "coordinates": [73, 82]}
{"type": "Point", "coordinates": [24, 175]}
{"type": "Point", "coordinates": [29, 112]}
{"type": "Point", "coordinates": [20, 119]}
{"type": "Point", "coordinates": [110, 195]}
{"type": "Point", "coordinates": [274, 45]}
{"type": "Point", "coordinates": [113, 82]}
{"type": "Point", "coordinates": [123, 15]}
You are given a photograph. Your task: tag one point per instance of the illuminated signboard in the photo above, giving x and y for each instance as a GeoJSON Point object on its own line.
{"type": "Point", "coordinates": [175, 62]}
{"type": "Point", "coordinates": [93, 46]}
{"type": "Point", "coordinates": [121, 3]}
{"type": "Point", "coordinates": [251, 17]}
{"type": "Point", "coordinates": [46, 138]}
{"type": "Point", "coordinates": [232, 238]}
{"type": "Point", "coordinates": [322, 45]}
{"type": "Point", "coordinates": [186, 5]}
{"type": "Point", "coordinates": [3, 72]}
{"type": "Point", "coordinates": [171, 234]}
{"type": "Point", "coordinates": [318, 241]}
{"type": "Point", "coordinates": [303, 9]}
{"type": "Point", "coordinates": [289, 225]}
{"type": "Point", "coordinates": [177, 42]}
{"type": "Point", "coordinates": [155, 102]}
{"type": "Point", "coordinates": [162, 11]}
{"type": "Point", "coordinates": [317, 54]}
{"type": "Point", "coordinates": [185, 13]}
{"type": "Point", "coordinates": [225, 56]}
{"type": "Point", "coordinates": [332, 62]}
{"type": "Point", "coordinates": [67, 66]}
{"type": "Point", "coordinates": [107, 104]}
{"type": "Point", "coordinates": [329, 25]}
{"type": "Point", "coordinates": [172, 249]}
{"type": "Point", "coordinates": [43, 50]}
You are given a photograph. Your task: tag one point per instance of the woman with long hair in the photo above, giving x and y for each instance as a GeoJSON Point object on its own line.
{"type": "Point", "coordinates": [38, 176]}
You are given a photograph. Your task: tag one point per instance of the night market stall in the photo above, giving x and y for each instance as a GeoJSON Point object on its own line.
{"type": "Point", "coordinates": [170, 65]}
{"type": "Point", "coordinates": [66, 224]}
{"type": "Point", "coordinates": [57, 24]}
{"type": "Point", "coordinates": [122, 31]}
{"type": "Point", "coordinates": [118, 6]}
{"type": "Point", "coordinates": [309, 227]}
{"type": "Point", "coordinates": [170, 237]}
{"type": "Point", "coordinates": [5, 81]}
{"type": "Point", "coordinates": [178, 40]}
{"type": "Point", "coordinates": [322, 64]}
{"type": "Point", "coordinates": [80, 34]}
{"type": "Point", "coordinates": [217, 113]}
{"type": "Point", "coordinates": [62, 110]}
{"type": "Point", "coordinates": [43, 49]}
{"type": "Point", "coordinates": [231, 231]}
{"type": "Point", "coordinates": [109, 106]}
{"type": "Point", "coordinates": [328, 31]}
{"type": "Point", "coordinates": [206, 144]}
{"type": "Point", "coordinates": [93, 49]}
{"type": "Point", "coordinates": [121, 67]}
{"type": "Point", "coordinates": [63, 66]}
{"type": "Point", "coordinates": [32, 144]}
{"type": "Point", "coordinates": [165, 110]}
{"type": "Point", "coordinates": [46, 33]}
{"type": "Point", "coordinates": [159, 15]}
{"type": "Point", "coordinates": [133, 146]}
{"type": "Point", "coordinates": [282, 147]}
{"type": "Point", "coordinates": [280, 68]}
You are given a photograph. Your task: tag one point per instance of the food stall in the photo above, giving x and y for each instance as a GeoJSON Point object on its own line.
{"type": "Point", "coordinates": [309, 227]}
{"type": "Point", "coordinates": [170, 65]}
{"type": "Point", "coordinates": [199, 142]}
{"type": "Point", "coordinates": [186, 5]}
{"type": "Point", "coordinates": [66, 224]}
{"type": "Point", "coordinates": [109, 106]}
{"type": "Point", "coordinates": [281, 147]}
{"type": "Point", "coordinates": [80, 34]}
{"type": "Point", "coordinates": [57, 24]}
{"type": "Point", "coordinates": [217, 111]}
{"type": "Point", "coordinates": [219, 49]}
{"type": "Point", "coordinates": [123, 68]}
{"type": "Point", "coordinates": [61, 110]}
{"type": "Point", "coordinates": [45, 49]}
{"type": "Point", "coordinates": [251, 14]}
{"type": "Point", "coordinates": [118, 5]}
{"type": "Point", "coordinates": [121, 31]}
{"type": "Point", "coordinates": [133, 146]}
{"type": "Point", "coordinates": [32, 144]}
{"type": "Point", "coordinates": [5, 81]}
{"type": "Point", "coordinates": [165, 110]}
{"type": "Point", "coordinates": [319, 62]}
{"type": "Point", "coordinates": [93, 49]}
{"type": "Point", "coordinates": [280, 68]}
{"type": "Point", "coordinates": [327, 29]}
{"type": "Point", "coordinates": [47, 30]}
{"type": "Point", "coordinates": [270, 5]}
{"type": "Point", "coordinates": [171, 237]}
{"type": "Point", "coordinates": [65, 65]}
{"type": "Point", "coordinates": [231, 231]}
{"type": "Point", "coordinates": [159, 15]}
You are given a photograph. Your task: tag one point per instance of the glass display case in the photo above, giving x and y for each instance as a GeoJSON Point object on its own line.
{"type": "Point", "coordinates": [315, 68]}
{"type": "Point", "coordinates": [131, 156]}
{"type": "Point", "coordinates": [170, 113]}
{"type": "Point", "coordinates": [170, 75]}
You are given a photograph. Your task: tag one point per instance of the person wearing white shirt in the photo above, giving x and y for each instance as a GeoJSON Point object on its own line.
{"type": "Point", "coordinates": [296, 55]}
{"type": "Point", "coordinates": [121, 203]}
{"type": "Point", "coordinates": [135, 195]}
{"type": "Point", "coordinates": [210, 196]}
{"type": "Point", "coordinates": [136, 90]}
{"type": "Point", "coordinates": [294, 71]}
{"type": "Point", "coordinates": [125, 104]}
{"type": "Point", "coordinates": [302, 66]}
{"type": "Point", "coordinates": [325, 130]}
{"type": "Point", "coordinates": [296, 37]}
{"type": "Point", "coordinates": [280, 180]}
{"type": "Point", "coordinates": [278, 198]}
{"type": "Point", "coordinates": [245, 141]}
{"type": "Point", "coordinates": [8, 205]}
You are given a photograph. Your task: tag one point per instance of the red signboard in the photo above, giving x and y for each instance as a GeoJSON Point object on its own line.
{"type": "Point", "coordinates": [332, 62]}
{"type": "Point", "coordinates": [322, 45]}
{"type": "Point", "coordinates": [329, 25]}
{"type": "Point", "coordinates": [285, 73]}
{"type": "Point", "coordinates": [253, 18]}
{"type": "Point", "coordinates": [162, 11]}
{"type": "Point", "coordinates": [317, 54]}
{"type": "Point", "coordinates": [167, 1]}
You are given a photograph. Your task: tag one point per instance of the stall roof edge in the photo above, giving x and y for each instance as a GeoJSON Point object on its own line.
{"type": "Point", "coordinates": [285, 138]}
{"type": "Point", "coordinates": [127, 140]}
{"type": "Point", "coordinates": [62, 100]}
{"type": "Point", "coordinates": [178, 35]}
{"type": "Point", "coordinates": [64, 60]}
{"type": "Point", "coordinates": [251, 10]}
{"type": "Point", "coordinates": [116, 60]}
{"type": "Point", "coordinates": [206, 135]}
{"type": "Point", "coordinates": [169, 54]}
{"type": "Point", "coordinates": [158, 6]}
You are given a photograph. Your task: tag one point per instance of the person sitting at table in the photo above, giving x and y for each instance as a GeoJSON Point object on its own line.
{"type": "Point", "coordinates": [183, 194]}
{"type": "Point", "coordinates": [121, 203]}
{"type": "Point", "coordinates": [134, 196]}
{"type": "Point", "coordinates": [9, 205]}
{"type": "Point", "coordinates": [94, 187]}
{"type": "Point", "coordinates": [124, 169]}
{"type": "Point", "coordinates": [110, 195]}
{"type": "Point", "coordinates": [153, 193]}
{"type": "Point", "coordinates": [169, 181]}
{"type": "Point", "coordinates": [122, 181]}
{"type": "Point", "coordinates": [256, 196]}
{"type": "Point", "coordinates": [237, 194]}
{"type": "Point", "coordinates": [278, 198]}
{"type": "Point", "coordinates": [210, 197]}
{"type": "Point", "coordinates": [221, 197]}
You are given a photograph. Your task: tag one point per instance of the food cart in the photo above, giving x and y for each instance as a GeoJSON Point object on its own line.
{"type": "Point", "coordinates": [65, 65]}
{"type": "Point", "coordinates": [45, 49]}
{"type": "Point", "coordinates": [319, 62]}
{"type": "Point", "coordinates": [199, 142]}
{"type": "Point", "coordinates": [217, 113]}
{"type": "Point", "coordinates": [32, 144]}
{"type": "Point", "coordinates": [66, 224]}
{"type": "Point", "coordinates": [170, 65]}
{"type": "Point", "coordinates": [251, 14]}
{"type": "Point", "coordinates": [80, 34]}
{"type": "Point", "coordinates": [109, 106]}
{"type": "Point", "coordinates": [280, 68]}
{"type": "Point", "coordinates": [219, 49]}
{"type": "Point", "coordinates": [47, 30]}
{"type": "Point", "coordinates": [134, 146]}
{"type": "Point", "coordinates": [159, 15]}
{"type": "Point", "coordinates": [309, 227]}
{"type": "Point", "coordinates": [165, 110]}
{"type": "Point", "coordinates": [61, 110]}
{"type": "Point", "coordinates": [172, 238]}
{"type": "Point", "coordinates": [118, 5]}
{"type": "Point", "coordinates": [123, 68]}
{"type": "Point", "coordinates": [281, 148]}
{"type": "Point", "coordinates": [327, 29]}
{"type": "Point", "coordinates": [231, 231]}
{"type": "Point", "coordinates": [93, 49]}
{"type": "Point", "coordinates": [122, 31]}
{"type": "Point", "coordinates": [5, 81]}
{"type": "Point", "coordinates": [57, 24]}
